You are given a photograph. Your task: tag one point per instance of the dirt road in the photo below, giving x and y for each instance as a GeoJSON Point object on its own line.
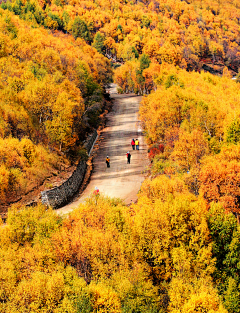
{"type": "Point", "coordinates": [121, 180]}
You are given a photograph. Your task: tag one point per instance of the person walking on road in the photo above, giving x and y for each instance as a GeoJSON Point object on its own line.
{"type": "Point", "coordinates": [137, 144]}
{"type": "Point", "coordinates": [108, 161]}
{"type": "Point", "coordinates": [133, 144]}
{"type": "Point", "coordinates": [128, 157]}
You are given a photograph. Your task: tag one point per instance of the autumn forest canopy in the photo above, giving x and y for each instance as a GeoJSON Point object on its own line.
{"type": "Point", "coordinates": [47, 84]}
{"type": "Point", "coordinates": [177, 249]}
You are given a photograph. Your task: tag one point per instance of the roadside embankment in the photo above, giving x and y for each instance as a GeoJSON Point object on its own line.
{"type": "Point", "coordinates": [63, 194]}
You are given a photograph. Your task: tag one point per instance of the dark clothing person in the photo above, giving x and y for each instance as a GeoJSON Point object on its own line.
{"type": "Point", "coordinates": [133, 144]}
{"type": "Point", "coordinates": [128, 157]}
{"type": "Point", "coordinates": [108, 161]}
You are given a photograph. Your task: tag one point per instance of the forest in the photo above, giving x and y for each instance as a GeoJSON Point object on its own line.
{"type": "Point", "coordinates": [177, 249]}
{"type": "Point", "coordinates": [193, 34]}
{"type": "Point", "coordinates": [170, 252]}
{"type": "Point", "coordinates": [47, 84]}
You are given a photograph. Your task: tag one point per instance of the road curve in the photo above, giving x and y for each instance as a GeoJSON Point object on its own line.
{"type": "Point", "coordinates": [121, 180]}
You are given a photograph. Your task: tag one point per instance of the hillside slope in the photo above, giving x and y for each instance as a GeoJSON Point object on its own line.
{"type": "Point", "coordinates": [47, 82]}
{"type": "Point", "coordinates": [190, 34]}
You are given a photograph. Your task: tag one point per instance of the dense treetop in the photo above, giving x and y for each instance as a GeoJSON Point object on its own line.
{"type": "Point", "coordinates": [156, 256]}
{"type": "Point", "coordinates": [192, 127]}
{"type": "Point", "coordinates": [185, 33]}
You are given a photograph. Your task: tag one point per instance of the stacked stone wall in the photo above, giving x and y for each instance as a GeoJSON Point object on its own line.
{"type": "Point", "coordinates": [89, 144]}
{"type": "Point", "coordinates": [61, 195]}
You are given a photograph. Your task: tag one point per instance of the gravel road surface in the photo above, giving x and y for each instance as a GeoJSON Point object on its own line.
{"type": "Point", "coordinates": [121, 180]}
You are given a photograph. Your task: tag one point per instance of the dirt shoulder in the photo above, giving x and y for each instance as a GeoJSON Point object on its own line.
{"type": "Point", "coordinates": [121, 180]}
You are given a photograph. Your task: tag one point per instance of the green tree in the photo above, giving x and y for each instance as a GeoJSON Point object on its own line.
{"type": "Point", "coordinates": [232, 296]}
{"type": "Point", "coordinates": [98, 42]}
{"type": "Point", "coordinates": [225, 234]}
{"type": "Point", "coordinates": [233, 132]}
{"type": "Point", "coordinates": [17, 7]}
{"type": "Point", "coordinates": [144, 63]}
{"type": "Point", "coordinates": [80, 29]}
{"type": "Point", "coordinates": [57, 19]}
{"type": "Point", "coordinates": [66, 19]}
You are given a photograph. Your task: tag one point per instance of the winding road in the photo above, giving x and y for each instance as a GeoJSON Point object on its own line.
{"type": "Point", "coordinates": [121, 180]}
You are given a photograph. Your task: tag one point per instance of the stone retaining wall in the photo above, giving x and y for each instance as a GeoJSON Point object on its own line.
{"type": "Point", "coordinates": [61, 195]}
{"type": "Point", "coordinates": [91, 141]}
